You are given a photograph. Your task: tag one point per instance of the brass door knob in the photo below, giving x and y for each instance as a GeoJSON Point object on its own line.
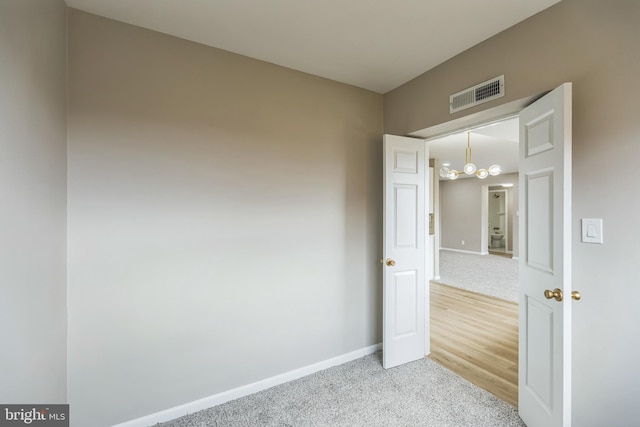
{"type": "Point", "coordinates": [390, 262]}
{"type": "Point", "coordinates": [575, 295]}
{"type": "Point", "coordinates": [556, 293]}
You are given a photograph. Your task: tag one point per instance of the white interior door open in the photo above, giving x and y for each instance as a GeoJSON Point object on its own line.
{"type": "Point", "coordinates": [405, 293]}
{"type": "Point", "coordinates": [544, 389]}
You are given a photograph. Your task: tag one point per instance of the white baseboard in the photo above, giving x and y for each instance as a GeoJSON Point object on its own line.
{"type": "Point", "coordinates": [226, 396]}
{"type": "Point", "coordinates": [464, 252]}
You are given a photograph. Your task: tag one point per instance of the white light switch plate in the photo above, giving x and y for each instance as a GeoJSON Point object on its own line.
{"type": "Point", "coordinates": [592, 230]}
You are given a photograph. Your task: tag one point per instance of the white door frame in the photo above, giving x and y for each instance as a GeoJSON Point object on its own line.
{"type": "Point", "coordinates": [481, 118]}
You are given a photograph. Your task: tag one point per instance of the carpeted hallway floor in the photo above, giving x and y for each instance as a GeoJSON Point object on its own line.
{"type": "Point", "coordinates": [492, 275]}
{"type": "Point", "coordinates": [362, 393]}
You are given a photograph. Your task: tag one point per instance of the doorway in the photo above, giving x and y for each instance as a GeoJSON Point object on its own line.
{"type": "Point", "coordinates": [498, 216]}
{"type": "Point", "coordinates": [500, 219]}
{"type": "Point", "coordinates": [474, 310]}
{"type": "Point", "coordinates": [544, 363]}
{"type": "Point", "coordinates": [477, 216]}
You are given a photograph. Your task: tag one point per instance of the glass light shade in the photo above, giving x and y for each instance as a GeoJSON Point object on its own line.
{"type": "Point", "coordinates": [495, 170]}
{"type": "Point", "coordinates": [482, 173]}
{"type": "Point", "coordinates": [454, 174]}
{"type": "Point", "coordinates": [444, 172]}
{"type": "Point", "coordinates": [469, 169]}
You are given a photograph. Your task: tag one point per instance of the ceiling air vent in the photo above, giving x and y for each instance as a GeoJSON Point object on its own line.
{"type": "Point", "coordinates": [483, 92]}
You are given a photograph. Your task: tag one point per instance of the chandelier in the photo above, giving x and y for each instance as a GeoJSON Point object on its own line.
{"type": "Point", "coordinates": [469, 167]}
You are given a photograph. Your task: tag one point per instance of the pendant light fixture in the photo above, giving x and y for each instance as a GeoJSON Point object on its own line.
{"type": "Point", "coordinates": [469, 167]}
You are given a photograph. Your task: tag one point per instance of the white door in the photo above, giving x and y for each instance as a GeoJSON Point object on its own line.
{"type": "Point", "coordinates": [545, 261]}
{"type": "Point", "coordinates": [404, 257]}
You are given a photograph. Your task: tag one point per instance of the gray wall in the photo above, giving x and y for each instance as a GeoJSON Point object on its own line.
{"type": "Point", "coordinates": [593, 44]}
{"type": "Point", "coordinates": [224, 220]}
{"type": "Point", "coordinates": [461, 211]}
{"type": "Point", "coordinates": [33, 214]}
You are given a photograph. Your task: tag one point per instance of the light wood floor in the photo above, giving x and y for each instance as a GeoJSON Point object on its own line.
{"type": "Point", "coordinates": [476, 337]}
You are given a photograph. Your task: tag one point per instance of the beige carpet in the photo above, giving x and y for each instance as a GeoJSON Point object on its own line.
{"type": "Point", "coordinates": [492, 275]}
{"type": "Point", "coordinates": [362, 393]}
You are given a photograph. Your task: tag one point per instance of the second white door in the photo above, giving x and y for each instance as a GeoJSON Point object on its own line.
{"type": "Point", "coordinates": [404, 258]}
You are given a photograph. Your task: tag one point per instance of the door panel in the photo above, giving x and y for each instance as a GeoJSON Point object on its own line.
{"type": "Point", "coordinates": [405, 289]}
{"type": "Point", "coordinates": [539, 226]}
{"type": "Point", "coordinates": [539, 364]}
{"type": "Point", "coordinates": [404, 279]}
{"type": "Point", "coordinates": [405, 218]}
{"type": "Point", "coordinates": [544, 390]}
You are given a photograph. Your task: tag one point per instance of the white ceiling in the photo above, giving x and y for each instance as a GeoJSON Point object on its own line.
{"type": "Point", "coordinates": [496, 143]}
{"type": "Point", "coordinates": [373, 44]}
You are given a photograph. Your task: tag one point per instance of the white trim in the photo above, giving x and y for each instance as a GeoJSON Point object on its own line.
{"type": "Point", "coordinates": [464, 252]}
{"type": "Point", "coordinates": [485, 242]}
{"type": "Point", "coordinates": [226, 396]}
{"type": "Point", "coordinates": [475, 120]}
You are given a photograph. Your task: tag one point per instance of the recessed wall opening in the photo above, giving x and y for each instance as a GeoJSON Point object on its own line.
{"type": "Point", "coordinates": [475, 248]}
